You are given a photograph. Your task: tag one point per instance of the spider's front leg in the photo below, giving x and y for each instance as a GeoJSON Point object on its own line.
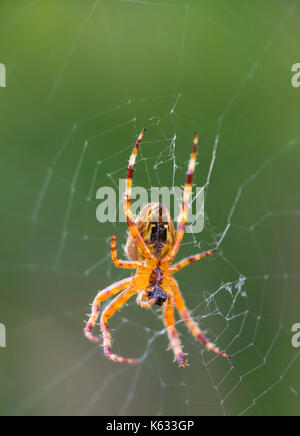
{"type": "Point", "coordinates": [175, 343]}
{"type": "Point", "coordinates": [111, 309]}
{"type": "Point", "coordinates": [191, 324]}
{"type": "Point", "coordinates": [102, 296]}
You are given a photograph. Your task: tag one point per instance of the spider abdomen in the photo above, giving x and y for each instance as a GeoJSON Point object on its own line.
{"type": "Point", "coordinates": [157, 230]}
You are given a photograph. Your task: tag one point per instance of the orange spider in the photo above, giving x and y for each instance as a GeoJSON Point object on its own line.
{"type": "Point", "coordinates": [151, 247]}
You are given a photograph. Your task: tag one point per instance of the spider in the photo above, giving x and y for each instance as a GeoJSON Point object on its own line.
{"type": "Point", "coordinates": [151, 247]}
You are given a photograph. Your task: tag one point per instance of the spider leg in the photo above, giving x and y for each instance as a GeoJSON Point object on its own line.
{"type": "Point", "coordinates": [111, 309]}
{"type": "Point", "coordinates": [188, 261]}
{"type": "Point", "coordinates": [191, 324]}
{"type": "Point", "coordinates": [143, 301]}
{"type": "Point", "coordinates": [185, 205]}
{"type": "Point", "coordinates": [175, 343]}
{"type": "Point", "coordinates": [127, 200]}
{"type": "Point", "coordinates": [102, 296]}
{"type": "Point", "coordinates": [120, 263]}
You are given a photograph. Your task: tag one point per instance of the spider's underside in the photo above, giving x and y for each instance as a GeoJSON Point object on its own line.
{"type": "Point", "coordinates": [151, 247]}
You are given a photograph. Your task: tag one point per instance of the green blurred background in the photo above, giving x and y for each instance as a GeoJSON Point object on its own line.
{"type": "Point", "coordinates": [99, 71]}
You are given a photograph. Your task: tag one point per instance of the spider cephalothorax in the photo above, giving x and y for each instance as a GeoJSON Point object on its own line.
{"type": "Point", "coordinates": [151, 247]}
{"type": "Point", "coordinates": [155, 290]}
{"type": "Point", "coordinates": [157, 293]}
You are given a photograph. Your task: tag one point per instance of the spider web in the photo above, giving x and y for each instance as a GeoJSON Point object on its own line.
{"type": "Point", "coordinates": [245, 296]}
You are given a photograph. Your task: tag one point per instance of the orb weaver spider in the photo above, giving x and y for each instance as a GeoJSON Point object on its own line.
{"type": "Point", "coordinates": [151, 247]}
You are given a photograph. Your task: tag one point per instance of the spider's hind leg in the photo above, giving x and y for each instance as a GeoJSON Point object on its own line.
{"type": "Point", "coordinates": [185, 206]}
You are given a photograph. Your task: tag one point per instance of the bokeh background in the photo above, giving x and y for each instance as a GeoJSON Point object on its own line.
{"type": "Point", "coordinates": [96, 72]}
